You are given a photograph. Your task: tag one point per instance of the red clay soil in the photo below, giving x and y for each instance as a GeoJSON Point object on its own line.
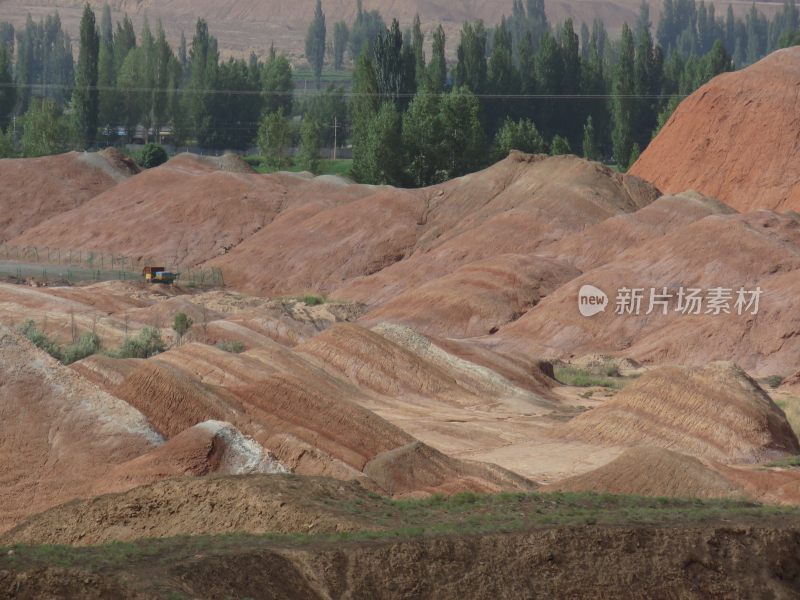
{"type": "Point", "coordinates": [172, 400]}
{"type": "Point", "coordinates": [716, 412]}
{"type": "Point", "coordinates": [477, 298]}
{"type": "Point", "coordinates": [514, 207]}
{"type": "Point", "coordinates": [184, 212]}
{"type": "Point", "coordinates": [59, 434]}
{"type": "Point", "coordinates": [313, 421]}
{"type": "Point", "coordinates": [759, 249]}
{"type": "Point", "coordinates": [602, 243]}
{"type": "Point", "coordinates": [736, 138]}
{"type": "Point", "coordinates": [36, 189]}
{"type": "Point", "coordinates": [372, 361]}
{"type": "Point", "coordinates": [646, 471]}
{"type": "Point", "coordinates": [650, 471]}
{"type": "Point", "coordinates": [416, 468]}
{"type": "Point", "coordinates": [284, 234]}
{"type": "Point", "coordinates": [206, 448]}
{"type": "Point", "coordinates": [321, 415]}
{"type": "Point", "coordinates": [792, 383]}
{"type": "Point", "coordinates": [189, 506]}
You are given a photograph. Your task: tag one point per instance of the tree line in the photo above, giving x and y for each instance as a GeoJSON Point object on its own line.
{"type": "Point", "coordinates": [412, 119]}
{"type": "Point", "coordinates": [122, 81]}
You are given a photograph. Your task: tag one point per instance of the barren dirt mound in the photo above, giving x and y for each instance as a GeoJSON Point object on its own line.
{"type": "Point", "coordinates": [653, 472]}
{"type": "Point", "coordinates": [372, 361]}
{"type": "Point", "coordinates": [36, 189]}
{"type": "Point", "coordinates": [189, 506]}
{"type": "Point", "coordinates": [317, 413]}
{"type": "Point", "coordinates": [603, 242]}
{"type": "Point", "coordinates": [792, 383]}
{"type": "Point", "coordinates": [516, 206]}
{"type": "Point", "coordinates": [209, 447]}
{"type": "Point", "coordinates": [419, 468]}
{"type": "Point", "coordinates": [116, 164]}
{"type": "Point", "coordinates": [758, 250]}
{"type": "Point", "coordinates": [280, 235]}
{"type": "Point", "coordinates": [184, 212]}
{"type": "Point", "coordinates": [736, 138]}
{"type": "Point", "coordinates": [172, 400]}
{"type": "Point", "coordinates": [58, 433]}
{"type": "Point", "coordinates": [168, 213]}
{"type": "Point", "coordinates": [104, 371]}
{"type": "Point", "coordinates": [715, 412]}
{"type": "Point", "coordinates": [477, 298]}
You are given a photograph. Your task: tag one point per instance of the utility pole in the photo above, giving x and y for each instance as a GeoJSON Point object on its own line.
{"type": "Point", "coordinates": [335, 137]}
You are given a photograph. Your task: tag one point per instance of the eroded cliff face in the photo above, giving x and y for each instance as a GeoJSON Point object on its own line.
{"type": "Point", "coordinates": [744, 561]}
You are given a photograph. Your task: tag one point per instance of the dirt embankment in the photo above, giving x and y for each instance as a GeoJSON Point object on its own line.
{"type": "Point", "coordinates": [701, 562]}
{"type": "Point", "coordinates": [736, 138]}
{"type": "Point", "coordinates": [189, 506]}
{"type": "Point", "coordinates": [35, 189]}
{"type": "Point", "coordinates": [716, 412]}
{"type": "Point", "coordinates": [751, 251]}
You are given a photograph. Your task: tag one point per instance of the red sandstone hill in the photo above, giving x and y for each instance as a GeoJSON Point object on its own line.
{"type": "Point", "coordinates": [737, 138]}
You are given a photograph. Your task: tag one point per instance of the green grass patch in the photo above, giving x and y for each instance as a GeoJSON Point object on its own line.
{"type": "Point", "coordinates": [773, 381]}
{"type": "Point", "coordinates": [235, 347]}
{"type": "Point", "coordinates": [459, 514]}
{"type": "Point", "coordinates": [311, 300]}
{"type": "Point", "coordinates": [793, 462]}
{"type": "Point", "coordinates": [386, 519]}
{"type": "Point", "coordinates": [607, 378]}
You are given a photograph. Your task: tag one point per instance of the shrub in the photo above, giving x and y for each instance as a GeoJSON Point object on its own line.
{"type": "Point", "coordinates": [233, 347]}
{"type": "Point", "coordinates": [560, 146]}
{"type": "Point", "coordinates": [517, 135]}
{"type": "Point", "coordinates": [774, 381]}
{"type": "Point", "coordinates": [146, 344]}
{"type": "Point", "coordinates": [151, 156]}
{"type": "Point", "coordinates": [313, 300]}
{"type": "Point", "coordinates": [182, 324]}
{"type": "Point", "coordinates": [39, 339]}
{"type": "Point", "coordinates": [569, 375]}
{"type": "Point", "coordinates": [87, 344]}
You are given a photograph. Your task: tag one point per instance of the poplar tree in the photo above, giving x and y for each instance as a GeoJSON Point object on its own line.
{"type": "Point", "coordinates": [85, 98]}
{"type": "Point", "coordinates": [472, 70]}
{"type": "Point", "coordinates": [315, 42]}
{"type": "Point", "coordinates": [622, 103]}
{"type": "Point", "coordinates": [417, 43]}
{"type": "Point", "coordinates": [340, 36]}
{"type": "Point", "coordinates": [7, 90]}
{"type": "Point", "coordinates": [590, 149]}
{"type": "Point", "coordinates": [437, 68]}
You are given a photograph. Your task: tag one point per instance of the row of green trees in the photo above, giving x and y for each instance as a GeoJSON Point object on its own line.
{"type": "Point", "coordinates": [412, 124]}
{"type": "Point", "coordinates": [124, 80]}
{"type": "Point", "coordinates": [411, 119]}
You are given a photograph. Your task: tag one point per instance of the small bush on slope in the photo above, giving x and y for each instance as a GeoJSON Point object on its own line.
{"type": "Point", "coordinates": [146, 344]}
{"type": "Point", "coordinates": [87, 344]}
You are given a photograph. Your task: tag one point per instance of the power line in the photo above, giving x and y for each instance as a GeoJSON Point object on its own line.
{"type": "Point", "coordinates": [348, 94]}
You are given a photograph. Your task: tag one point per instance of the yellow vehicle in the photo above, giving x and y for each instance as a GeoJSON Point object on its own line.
{"type": "Point", "coordinates": [158, 275]}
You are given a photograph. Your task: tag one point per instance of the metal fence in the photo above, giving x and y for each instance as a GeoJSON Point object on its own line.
{"type": "Point", "coordinates": [49, 264]}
